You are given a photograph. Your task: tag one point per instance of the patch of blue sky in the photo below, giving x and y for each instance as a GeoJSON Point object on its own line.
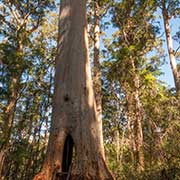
{"type": "Point", "coordinates": [166, 75]}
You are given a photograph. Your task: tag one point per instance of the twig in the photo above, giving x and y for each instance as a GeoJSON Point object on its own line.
{"type": "Point", "coordinates": [69, 172]}
{"type": "Point", "coordinates": [176, 51]}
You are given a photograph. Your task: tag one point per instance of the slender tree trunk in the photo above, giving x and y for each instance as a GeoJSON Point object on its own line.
{"type": "Point", "coordinates": [138, 113]}
{"type": "Point", "coordinates": [130, 127]}
{"type": "Point", "coordinates": [138, 132]}
{"type": "Point", "coordinates": [2, 159]}
{"type": "Point", "coordinates": [97, 66]}
{"type": "Point", "coordinates": [8, 122]}
{"type": "Point", "coordinates": [117, 143]}
{"type": "Point", "coordinates": [8, 117]}
{"type": "Point", "coordinates": [121, 150]}
{"type": "Point", "coordinates": [96, 60]}
{"type": "Point", "coordinates": [74, 122]}
{"type": "Point", "coordinates": [169, 41]}
{"type": "Point", "coordinates": [135, 119]}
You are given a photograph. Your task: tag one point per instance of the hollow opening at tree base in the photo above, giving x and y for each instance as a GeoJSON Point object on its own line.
{"type": "Point", "coordinates": [67, 155]}
{"type": "Point", "coordinates": [76, 177]}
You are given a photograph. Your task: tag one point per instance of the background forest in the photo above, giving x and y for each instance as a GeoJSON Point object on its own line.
{"type": "Point", "coordinates": [133, 44]}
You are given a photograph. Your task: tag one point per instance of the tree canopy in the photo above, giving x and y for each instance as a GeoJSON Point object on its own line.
{"type": "Point", "coordinates": [137, 42]}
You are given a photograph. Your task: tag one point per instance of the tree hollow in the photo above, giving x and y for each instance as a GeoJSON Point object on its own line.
{"type": "Point", "coordinates": [67, 154]}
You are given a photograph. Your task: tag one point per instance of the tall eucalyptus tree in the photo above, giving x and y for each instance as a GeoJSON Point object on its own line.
{"type": "Point", "coordinates": [75, 148]}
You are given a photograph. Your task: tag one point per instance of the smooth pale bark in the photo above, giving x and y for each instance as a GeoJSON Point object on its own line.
{"type": "Point", "coordinates": [97, 66]}
{"type": "Point", "coordinates": [169, 41]}
{"type": "Point", "coordinates": [138, 113]}
{"type": "Point", "coordinates": [130, 131]}
{"type": "Point", "coordinates": [96, 60]}
{"type": "Point", "coordinates": [74, 107]}
{"type": "Point", "coordinates": [135, 118]}
{"type": "Point", "coordinates": [138, 132]}
{"type": "Point", "coordinates": [117, 143]}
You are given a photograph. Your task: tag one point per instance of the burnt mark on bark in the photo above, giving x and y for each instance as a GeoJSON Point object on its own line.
{"type": "Point", "coordinates": [66, 98]}
{"type": "Point", "coordinates": [85, 90]}
{"type": "Point", "coordinates": [67, 154]}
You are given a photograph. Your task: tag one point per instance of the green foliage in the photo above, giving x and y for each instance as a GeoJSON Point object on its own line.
{"type": "Point", "coordinates": [136, 39]}
{"type": "Point", "coordinates": [27, 54]}
{"type": "Point", "coordinates": [28, 47]}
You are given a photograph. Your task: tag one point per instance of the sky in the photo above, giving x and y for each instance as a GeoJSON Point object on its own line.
{"type": "Point", "coordinates": [167, 75]}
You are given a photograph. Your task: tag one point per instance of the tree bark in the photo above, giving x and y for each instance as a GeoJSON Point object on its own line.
{"type": "Point", "coordinates": [97, 86]}
{"type": "Point", "coordinates": [2, 159]}
{"type": "Point", "coordinates": [169, 41]}
{"type": "Point", "coordinates": [135, 118]}
{"type": "Point", "coordinates": [74, 122]}
{"type": "Point", "coordinates": [96, 60]}
{"type": "Point", "coordinates": [138, 113]}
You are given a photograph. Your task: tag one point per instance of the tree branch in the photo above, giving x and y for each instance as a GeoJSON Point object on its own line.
{"type": "Point", "coordinates": [176, 51]}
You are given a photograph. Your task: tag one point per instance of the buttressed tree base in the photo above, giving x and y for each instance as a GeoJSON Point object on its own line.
{"type": "Point", "coordinates": [75, 149]}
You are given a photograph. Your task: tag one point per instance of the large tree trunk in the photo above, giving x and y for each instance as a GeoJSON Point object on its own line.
{"type": "Point", "coordinates": [169, 41]}
{"type": "Point", "coordinates": [74, 122]}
